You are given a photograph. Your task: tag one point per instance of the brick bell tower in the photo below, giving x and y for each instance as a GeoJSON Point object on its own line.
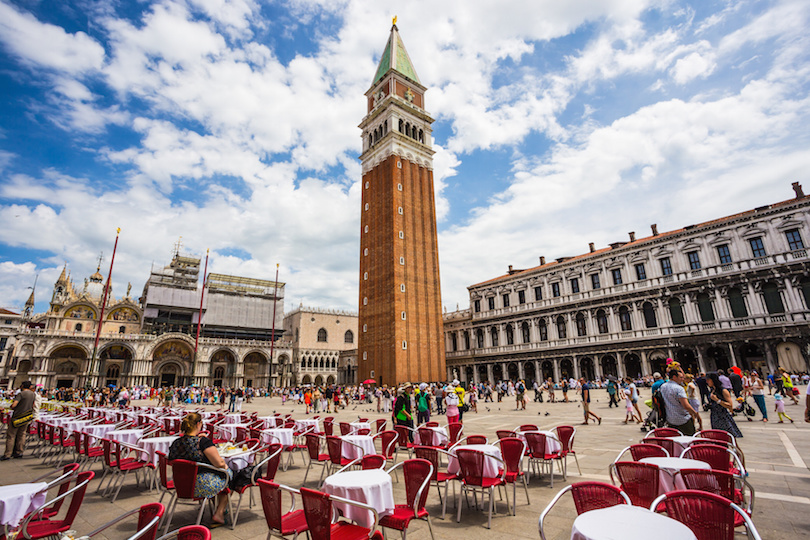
{"type": "Point", "coordinates": [401, 336]}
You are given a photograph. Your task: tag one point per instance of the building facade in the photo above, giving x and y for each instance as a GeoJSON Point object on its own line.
{"type": "Point", "coordinates": [734, 291]}
{"type": "Point", "coordinates": [400, 298]}
{"type": "Point", "coordinates": [318, 338]}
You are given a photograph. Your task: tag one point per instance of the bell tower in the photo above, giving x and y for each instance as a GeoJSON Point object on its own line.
{"type": "Point", "coordinates": [400, 324]}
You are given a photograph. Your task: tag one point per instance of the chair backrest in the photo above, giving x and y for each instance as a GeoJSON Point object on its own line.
{"type": "Point", "coordinates": [528, 427]}
{"type": "Point", "coordinates": [363, 431]}
{"type": "Point", "coordinates": [78, 496]}
{"type": "Point", "coordinates": [372, 461]}
{"type": "Point", "coordinates": [274, 451]}
{"type": "Point", "coordinates": [664, 442]}
{"type": "Point", "coordinates": [504, 433]}
{"type": "Point", "coordinates": [318, 513]}
{"type": "Point", "coordinates": [709, 480]}
{"type": "Point", "coordinates": [380, 424]}
{"type": "Point", "coordinates": [536, 443]}
{"type": "Point", "coordinates": [644, 450]}
{"type": "Point", "coordinates": [63, 487]}
{"type": "Point", "coordinates": [418, 473]}
{"type": "Point", "coordinates": [362, 419]}
{"type": "Point", "coordinates": [163, 463]}
{"type": "Point", "coordinates": [147, 513]}
{"type": "Point", "coordinates": [313, 443]}
{"type": "Point", "coordinates": [595, 495]}
{"type": "Point", "coordinates": [388, 443]}
{"type": "Point", "coordinates": [184, 473]}
{"type": "Point", "coordinates": [664, 432]}
{"type": "Point", "coordinates": [639, 481]}
{"type": "Point", "coordinates": [109, 458]}
{"type": "Point", "coordinates": [426, 436]}
{"type": "Point", "coordinates": [512, 450]}
{"type": "Point", "coordinates": [709, 516]}
{"type": "Point", "coordinates": [718, 457]}
{"type": "Point", "coordinates": [241, 434]}
{"type": "Point", "coordinates": [717, 434]}
{"type": "Point", "coordinates": [345, 428]}
{"type": "Point", "coordinates": [327, 426]}
{"type": "Point", "coordinates": [566, 434]}
{"type": "Point", "coordinates": [334, 446]}
{"type": "Point", "coordinates": [471, 465]}
{"type": "Point", "coordinates": [402, 436]}
{"type": "Point", "coordinates": [193, 532]}
{"type": "Point", "coordinates": [430, 454]}
{"type": "Point", "coordinates": [270, 494]}
{"type": "Point", "coordinates": [476, 439]}
{"type": "Point", "coordinates": [77, 442]}
{"type": "Point", "coordinates": [454, 430]}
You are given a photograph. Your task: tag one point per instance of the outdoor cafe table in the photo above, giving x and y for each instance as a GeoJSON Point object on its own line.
{"type": "Point", "coordinates": [490, 465]}
{"type": "Point", "coordinates": [371, 487]}
{"type": "Point", "coordinates": [351, 451]}
{"type": "Point", "coordinates": [98, 431]}
{"type": "Point", "coordinates": [283, 436]}
{"type": "Point", "coordinates": [228, 431]}
{"type": "Point", "coordinates": [669, 466]}
{"type": "Point", "coordinates": [439, 435]}
{"type": "Point", "coordinates": [307, 423]}
{"type": "Point", "coordinates": [127, 436]}
{"type": "Point", "coordinates": [552, 443]}
{"type": "Point", "coordinates": [682, 442]}
{"type": "Point", "coordinates": [627, 522]}
{"type": "Point", "coordinates": [236, 456]}
{"type": "Point", "coordinates": [357, 426]}
{"type": "Point", "coordinates": [272, 421]}
{"type": "Point", "coordinates": [233, 418]}
{"type": "Point", "coordinates": [17, 500]}
{"type": "Point", "coordinates": [75, 425]}
{"type": "Point", "coordinates": [152, 445]}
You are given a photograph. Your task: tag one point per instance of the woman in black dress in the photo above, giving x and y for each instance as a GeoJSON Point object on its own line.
{"type": "Point", "coordinates": [720, 406]}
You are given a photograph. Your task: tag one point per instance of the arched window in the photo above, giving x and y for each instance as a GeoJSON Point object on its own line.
{"type": "Point", "coordinates": [219, 372]}
{"type": "Point", "coordinates": [493, 332]}
{"type": "Point", "coordinates": [650, 320]}
{"type": "Point", "coordinates": [370, 140]}
{"type": "Point", "coordinates": [479, 337]}
{"type": "Point", "coordinates": [705, 308]}
{"type": "Point", "coordinates": [543, 329]}
{"type": "Point", "coordinates": [322, 335]}
{"type": "Point", "coordinates": [78, 327]}
{"type": "Point", "coordinates": [773, 300]}
{"type": "Point", "coordinates": [561, 332]}
{"type": "Point", "coordinates": [510, 337]}
{"type": "Point", "coordinates": [348, 337]}
{"type": "Point", "coordinates": [122, 329]}
{"type": "Point", "coordinates": [303, 363]}
{"type": "Point", "coordinates": [624, 319]}
{"type": "Point", "coordinates": [581, 328]}
{"type": "Point", "coordinates": [113, 371]}
{"type": "Point", "coordinates": [676, 312]}
{"type": "Point", "coordinates": [466, 340]}
{"type": "Point", "coordinates": [602, 321]}
{"type": "Point", "coordinates": [453, 341]}
{"type": "Point", "coordinates": [524, 328]}
{"type": "Point", "coordinates": [737, 303]}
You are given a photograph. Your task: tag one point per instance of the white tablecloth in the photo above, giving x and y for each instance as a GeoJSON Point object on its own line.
{"type": "Point", "coordinates": [17, 500]}
{"type": "Point", "coordinates": [552, 444]}
{"type": "Point", "coordinates": [228, 431]}
{"type": "Point", "coordinates": [490, 465]}
{"type": "Point", "coordinates": [682, 442]}
{"type": "Point", "coordinates": [128, 436]}
{"type": "Point", "coordinates": [272, 421]}
{"type": "Point", "coordinates": [98, 431]}
{"type": "Point", "coordinates": [157, 444]}
{"type": "Point", "coordinates": [372, 487]}
{"type": "Point", "coordinates": [365, 442]}
{"type": "Point", "coordinates": [626, 522]}
{"type": "Point", "coordinates": [669, 465]}
{"type": "Point", "coordinates": [75, 425]}
{"type": "Point", "coordinates": [233, 418]}
{"type": "Point", "coordinates": [237, 459]}
{"type": "Point", "coordinates": [278, 435]}
{"type": "Point", "coordinates": [439, 436]}
{"type": "Point", "coordinates": [356, 426]}
{"type": "Point", "coordinates": [301, 425]}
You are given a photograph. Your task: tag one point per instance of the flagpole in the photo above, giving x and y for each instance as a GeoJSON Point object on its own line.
{"type": "Point", "coordinates": [199, 317]}
{"type": "Point", "coordinates": [273, 331]}
{"type": "Point", "coordinates": [101, 314]}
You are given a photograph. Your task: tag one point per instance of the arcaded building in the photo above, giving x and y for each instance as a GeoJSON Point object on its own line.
{"type": "Point", "coordinates": [318, 338]}
{"type": "Point", "coordinates": [734, 291]}
{"type": "Point", "coordinates": [400, 318]}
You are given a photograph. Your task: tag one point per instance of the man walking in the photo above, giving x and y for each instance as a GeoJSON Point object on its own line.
{"type": "Point", "coordinates": [23, 407]}
{"type": "Point", "coordinates": [586, 402]}
{"type": "Point", "coordinates": [402, 410]}
{"type": "Point", "coordinates": [680, 413]}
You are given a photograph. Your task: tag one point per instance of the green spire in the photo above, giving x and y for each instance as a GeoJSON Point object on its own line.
{"type": "Point", "coordinates": [395, 57]}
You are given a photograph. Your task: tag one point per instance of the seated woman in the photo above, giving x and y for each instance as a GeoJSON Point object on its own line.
{"type": "Point", "coordinates": [192, 447]}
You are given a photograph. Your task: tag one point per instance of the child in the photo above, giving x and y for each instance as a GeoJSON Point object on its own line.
{"type": "Point", "coordinates": [628, 403]}
{"type": "Point", "coordinates": [780, 408]}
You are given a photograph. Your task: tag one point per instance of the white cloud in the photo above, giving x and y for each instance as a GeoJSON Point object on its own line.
{"type": "Point", "coordinates": [692, 66]}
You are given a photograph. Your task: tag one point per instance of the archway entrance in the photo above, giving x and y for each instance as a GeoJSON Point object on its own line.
{"type": "Point", "coordinates": [224, 359]}
{"type": "Point", "coordinates": [528, 370]}
{"type": "Point", "coordinates": [717, 358]}
{"type": "Point", "coordinates": [497, 373]}
{"type": "Point", "coordinates": [469, 374]}
{"type": "Point", "coordinates": [751, 357]}
{"type": "Point", "coordinates": [65, 374]}
{"type": "Point", "coordinates": [67, 362]}
{"type": "Point", "coordinates": [632, 365]}
{"type": "Point", "coordinates": [609, 366]}
{"type": "Point", "coordinates": [169, 375]}
{"type": "Point", "coordinates": [256, 370]}
{"type": "Point", "coordinates": [116, 363]}
{"type": "Point", "coordinates": [686, 358]}
{"type": "Point", "coordinates": [586, 369]}
{"type": "Point", "coordinates": [658, 363]}
{"type": "Point", "coordinates": [174, 359]}
{"type": "Point", "coordinates": [548, 370]}
{"type": "Point", "coordinates": [566, 369]}
{"type": "Point", "coordinates": [482, 373]}
{"type": "Point", "coordinates": [512, 371]}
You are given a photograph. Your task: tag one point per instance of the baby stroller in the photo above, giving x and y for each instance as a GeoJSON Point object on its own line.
{"type": "Point", "coordinates": [656, 418]}
{"type": "Point", "coordinates": [745, 409]}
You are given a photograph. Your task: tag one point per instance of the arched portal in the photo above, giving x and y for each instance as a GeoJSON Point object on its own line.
{"type": "Point", "coordinates": [751, 357]}
{"type": "Point", "coordinates": [120, 357]}
{"type": "Point", "coordinates": [225, 359]}
{"type": "Point", "coordinates": [469, 374]}
{"type": "Point", "coordinates": [717, 358]}
{"type": "Point", "coordinates": [632, 365]}
{"type": "Point", "coordinates": [658, 363]}
{"type": "Point", "coordinates": [512, 371]}
{"type": "Point", "coordinates": [482, 373]}
{"type": "Point", "coordinates": [566, 368]}
{"type": "Point", "coordinates": [306, 380]}
{"type": "Point", "coordinates": [609, 366]}
{"type": "Point", "coordinates": [61, 358]}
{"type": "Point", "coordinates": [547, 369]}
{"type": "Point", "coordinates": [170, 374]}
{"type": "Point", "coordinates": [528, 371]}
{"type": "Point", "coordinates": [171, 362]}
{"type": "Point", "coordinates": [686, 358]}
{"type": "Point", "coordinates": [497, 373]}
{"type": "Point", "coordinates": [319, 380]}
{"type": "Point", "coordinates": [256, 370]}
{"type": "Point", "coordinates": [586, 369]}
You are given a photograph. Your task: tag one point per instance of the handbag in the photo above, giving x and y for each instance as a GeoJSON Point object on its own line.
{"type": "Point", "coordinates": [22, 420]}
{"type": "Point", "coordinates": [465, 408]}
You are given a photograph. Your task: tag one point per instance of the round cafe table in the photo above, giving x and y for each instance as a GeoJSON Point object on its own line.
{"type": "Point", "coordinates": [272, 421]}
{"type": "Point", "coordinates": [552, 444]}
{"type": "Point", "coordinates": [682, 442]}
{"type": "Point", "coordinates": [490, 465]}
{"type": "Point", "coordinates": [626, 522]}
{"type": "Point", "coordinates": [228, 431]}
{"type": "Point", "coordinates": [307, 423]}
{"type": "Point", "coordinates": [361, 445]}
{"type": "Point", "coordinates": [127, 436]}
{"type": "Point", "coordinates": [98, 431]}
{"type": "Point", "coordinates": [283, 436]}
{"type": "Point", "coordinates": [157, 444]}
{"type": "Point", "coordinates": [372, 487]}
{"type": "Point", "coordinates": [17, 500]}
{"type": "Point", "coordinates": [667, 481]}
{"type": "Point", "coordinates": [236, 458]}
{"type": "Point", "coordinates": [357, 426]}
{"type": "Point", "coordinates": [439, 436]}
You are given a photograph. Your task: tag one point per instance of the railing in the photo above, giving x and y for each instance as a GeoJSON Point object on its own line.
{"type": "Point", "coordinates": [696, 273]}
{"type": "Point", "coordinates": [778, 318]}
{"type": "Point", "coordinates": [761, 261]}
{"type": "Point", "coordinates": [798, 254]}
{"type": "Point", "coordinates": [726, 267]}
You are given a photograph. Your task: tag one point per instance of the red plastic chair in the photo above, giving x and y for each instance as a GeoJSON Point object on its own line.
{"type": "Point", "coordinates": [403, 439]}
{"type": "Point", "coordinates": [454, 431]}
{"type": "Point", "coordinates": [91, 453]}
{"type": "Point", "coordinates": [192, 532]}
{"type": "Point", "coordinates": [505, 434]}
{"type": "Point", "coordinates": [527, 427]}
{"type": "Point", "coordinates": [185, 479]}
{"type": "Point", "coordinates": [664, 442]}
{"type": "Point", "coordinates": [721, 483]}
{"type": "Point", "coordinates": [272, 462]}
{"type": "Point", "coordinates": [388, 444]}
{"type": "Point", "coordinates": [126, 465]}
{"type": "Point", "coordinates": [241, 434]}
{"type": "Point", "coordinates": [282, 524]}
{"type": "Point", "coordinates": [643, 450]}
{"type": "Point", "coordinates": [34, 530]}
{"type": "Point", "coordinates": [709, 516]}
{"type": "Point", "coordinates": [587, 496]}
{"type": "Point", "coordinates": [640, 481]}
{"type": "Point", "coordinates": [417, 473]}
{"type": "Point", "coordinates": [318, 512]}
{"type": "Point", "coordinates": [472, 439]}
{"type": "Point", "coordinates": [538, 455]}
{"type": "Point", "coordinates": [315, 455]}
{"type": "Point", "coordinates": [380, 424]}
{"type": "Point", "coordinates": [427, 437]}
{"type": "Point", "coordinates": [166, 485]}
{"type": "Point", "coordinates": [717, 435]}
{"type": "Point", "coordinates": [566, 435]}
{"type": "Point", "coordinates": [334, 446]}
{"type": "Point", "coordinates": [718, 457]}
{"type": "Point", "coordinates": [149, 516]}
{"type": "Point", "coordinates": [345, 428]}
{"type": "Point", "coordinates": [512, 451]}
{"type": "Point", "coordinates": [433, 455]}
{"type": "Point", "coordinates": [327, 426]}
{"type": "Point", "coordinates": [663, 432]}
{"type": "Point", "coordinates": [471, 465]}
{"type": "Point", "coordinates": [372, 461]}
{"type": "Point", "coordinates": [65, 473]}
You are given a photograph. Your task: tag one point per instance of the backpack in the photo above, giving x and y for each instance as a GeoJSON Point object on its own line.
{"type": "Point", "coordinates": [660, 408]}
{"type": "Point", "coordinates": [422, 402]}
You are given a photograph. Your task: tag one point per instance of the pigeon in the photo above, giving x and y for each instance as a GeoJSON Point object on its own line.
{"type": "Point", "coordinates": [547, 413]}
{"type": "Point", "coordinates": [487, 408]}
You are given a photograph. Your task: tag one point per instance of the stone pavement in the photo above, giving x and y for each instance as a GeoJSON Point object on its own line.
{"type": "Point", "coordinates": [776, 456]}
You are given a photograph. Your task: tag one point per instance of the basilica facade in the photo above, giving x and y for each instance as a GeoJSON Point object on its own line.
{"type": "Point", "coordinates": [734, 291]}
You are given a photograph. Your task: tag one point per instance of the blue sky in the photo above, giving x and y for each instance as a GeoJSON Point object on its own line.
{"type": "Point", "coordinates": [234, 126]}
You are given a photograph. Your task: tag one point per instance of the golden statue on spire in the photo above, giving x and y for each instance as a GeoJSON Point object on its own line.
{"type": "Point", "coordinates": [394, 21]}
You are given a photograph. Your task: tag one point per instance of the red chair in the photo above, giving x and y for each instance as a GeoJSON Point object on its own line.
{"type": "Point", "coordinates": [471, 465]}
{"type": "Point", "coordinates": [388, 444]}
{"type": "Point", "coordinates": [427, 437]}
{"type": "Point", "coordinates": [454, 431]}
{"type": "Point", "coordinates": [721, 483]}
{"type": "Point", "coordinates": [403, 439]}
{"type": "Point", "coordinates": [379, 425]}
{"type": "Point", "coordinates": [334, 446]}
{"type": "Point", "coordinates": [327, 426]}
{"type": "Point", "coordinates": [418, 473]}
{"type": "Point", "coordinates": [641, 451]}
{"type": "Point", "coordinates": [538, 454]}
{"type": "Point", "coordinates": [709, 516]}
{"type": "Point", "coordinates": [34, 530]}
{"type": "Point", "coordinates": [505, 434]}
{"type": "Point", "coordinates": [319, 513]}
{"type": "Point", "coordinates": [717, 435]}
{"type": "Point", "coordinates": [471, 439]}
{"type": "Point", "coordinates": [363, 431]}
{"type": "Point", "coordinates": [730, 446]}
{"type": "Point", "coordinates": [110, 465]}
{"type": "Point", "coordinates": [566, 434]}
{"type": "Point", "coordinates": [663, 432]}
{"type": "Point", "coordinates": [345, 428]}
{"type": "Point", "coordinates": [66, 474]}
{"type": "Point", "coordinates": [272, 461]}
{"type": "Point", "coordinates": [587, 496]}
{"type": "Point", "coordinates": [512, 451]}
{"type": "Point", "coordinates": [148, 522]}
{"type": "Point", "coordinates": [433, 454]}
{"type": "Point", "coordinates": [315, 455]}
{"type": "Point", "coordinates": [91, 453]}
{"type": "Point", "coordinates": [241, 434]}
{"type": "Point", "coordinates": [527, 427]}
{"type": "Point", "coordinates": [282, 524]}
{"type": "Point", "coordinates": [126, 465]}
{"type": "Point", "coordinates": [718, 457]}
{"type": "Point", "coordinates": [185, 479]}
{"type": "Point", "coordinates": [372, 461]}
{"type": "Point", "coordinates": [166, 485]}
{"type": "Point", "coordinates": [640, 481]}
{"type": "Point", "coordinates": [664, 442]}
{"type": "Point", "coordinates": [192, 532]}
